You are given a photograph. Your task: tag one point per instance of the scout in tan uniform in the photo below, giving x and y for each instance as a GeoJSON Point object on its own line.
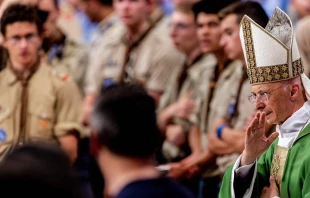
{"type": "Point", "coordinates": [192, 79]}
{"type": "Point", "coordinates": [133, 55]}
{"type": "Point", "coordinates": [36, 102]}
{"type": "Point", "coordinates": [102, 12]}
{"type": "Point", "coordinates": [63, 53]}
{"type": "Point", "coordinates": [209, 35]}
{"type": "Point", "coordinates": [226, 129]}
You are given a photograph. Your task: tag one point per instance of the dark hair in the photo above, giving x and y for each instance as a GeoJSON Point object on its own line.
{"type": "Point", "coordinates": [56, 3]}
{"type": "Point", "coordinates": [125, 119]}
{"type": "Point", "coordinates": [37, 170]}
{"type": "Point", "coordinates": [20, 13]}
{"type": "Point", "coordinates": [250, 8]}
{"type": "Point", "coordinates": [210, 6]}
{"type": "Point", "coordinates": [106, 2]}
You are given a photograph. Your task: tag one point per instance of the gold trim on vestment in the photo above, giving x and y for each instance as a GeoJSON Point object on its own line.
{"type": "Point", "coordinates": [278, 163]}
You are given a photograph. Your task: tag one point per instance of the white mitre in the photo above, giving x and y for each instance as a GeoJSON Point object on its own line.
{"type": "Point", "coordinates": [272, 54]}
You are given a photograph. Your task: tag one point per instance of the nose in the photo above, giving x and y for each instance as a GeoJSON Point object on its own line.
{"type": "Point", "coordinates": [205, 31]}
{"type": "Point", "coordinates": [222, 42]}
{"type": "Point", "coordinates": [125, 4]}
{"type": "Point", "coordinates": [172, 31]}
{"type": "Point", "coordinates": [259, 105]}
{"type": "Point", "coordinates": [23, 43]}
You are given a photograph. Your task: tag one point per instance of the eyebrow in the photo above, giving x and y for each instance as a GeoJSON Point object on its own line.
{"type": "Point", "coordinates": [227, 29]}
{"type": "Point", "coordinates": [259, 91]}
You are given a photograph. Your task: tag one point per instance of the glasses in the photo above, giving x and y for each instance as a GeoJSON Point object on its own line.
{"type": "Point", "coordinates": [30, 38]}
{"type": "Point", "coordinates": [181, 26]}
{"type": "Point", "coordinates": [263, 96]}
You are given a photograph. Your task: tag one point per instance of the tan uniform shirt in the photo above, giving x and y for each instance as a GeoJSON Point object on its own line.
{"type": "Point", "coordinates": [107, 31]}
{"type": "Point", "coordinates": [71, 58]}
{"type": "Point", "coordinates": [197, 82]}
{"type": "Point", "coordinates": [244, 110]}
{"type": "Point", "coordinates": [161, 24]}
{"type": "Point", "coordinates": [224, 97]}
{"type": "Point", "coordinates": [69, 23]}
{"type": "Point", "coordinates": [151, 63]}
{"type": "Point", "coordinates": [53, 107]}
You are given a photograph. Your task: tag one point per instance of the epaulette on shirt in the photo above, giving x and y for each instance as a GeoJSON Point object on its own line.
{"type": "Point", "coordinates": [62, 76]}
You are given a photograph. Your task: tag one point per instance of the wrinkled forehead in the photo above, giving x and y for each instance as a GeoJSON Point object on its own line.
{"type": "Point", "coordinates": [265, 87]}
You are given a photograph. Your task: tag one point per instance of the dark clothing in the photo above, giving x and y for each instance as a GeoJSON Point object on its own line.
{"type": "Point", "coordinates": [162, 187]}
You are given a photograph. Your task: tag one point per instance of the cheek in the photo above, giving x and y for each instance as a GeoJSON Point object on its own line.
{"type": "Point", "coordinates": [199, 33]}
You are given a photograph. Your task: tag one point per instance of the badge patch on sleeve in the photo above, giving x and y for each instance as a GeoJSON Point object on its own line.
{"type": "Point", "coordinates": [2, 135]}
{"type": "Point", "coordinates": [108, 82]}
{"type": "Point", "coordinates": [231, 110]}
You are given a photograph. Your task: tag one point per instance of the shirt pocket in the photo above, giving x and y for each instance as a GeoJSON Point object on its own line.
{"type": "Point", "coordinates": [41, 122]}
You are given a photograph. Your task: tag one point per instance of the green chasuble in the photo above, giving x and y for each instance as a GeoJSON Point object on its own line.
{"type": "Point", "coordinates": [296, 175]}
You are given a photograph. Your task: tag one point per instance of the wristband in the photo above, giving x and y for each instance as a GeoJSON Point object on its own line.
{"type": "Point", "coordinates": [219, 131]}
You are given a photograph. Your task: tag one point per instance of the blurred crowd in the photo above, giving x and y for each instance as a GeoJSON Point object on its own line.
{"type": "Point", "coordinates": [146, 98]}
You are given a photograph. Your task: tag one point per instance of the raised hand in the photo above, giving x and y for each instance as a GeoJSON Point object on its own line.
{"type": "Point", "coordinates": [256, 142]}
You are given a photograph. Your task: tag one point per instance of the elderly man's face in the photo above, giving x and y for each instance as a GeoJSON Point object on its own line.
{"type": "Point", "coordinates": [278, 106]}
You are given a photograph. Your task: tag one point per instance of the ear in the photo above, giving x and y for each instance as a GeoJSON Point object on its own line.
{"type": "Point", "coordinates": [4, 41]}
{"type": "Point", "coordinates": [295, 91]}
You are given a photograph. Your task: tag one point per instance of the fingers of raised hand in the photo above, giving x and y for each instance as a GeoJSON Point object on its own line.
{"type": "Point", "coordinates": [272, 137]}
{"type": "Point", "coordinates": [262, 119]}
{"type": "Point", "coordinates": [253, 126]}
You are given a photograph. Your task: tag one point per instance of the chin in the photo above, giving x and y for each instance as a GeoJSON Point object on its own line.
{"type": "Point", "coordinates": [205, 50]}
{"type": "Point", "coordinates": [231, 56]}
{"type": "Point", "coordinates": [272, 121]}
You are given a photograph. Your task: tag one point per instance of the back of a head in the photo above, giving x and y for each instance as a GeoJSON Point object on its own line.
{"type": "Point", "coordinates": [37, 170]}
{"type": "Point", "coordinates": [125, 119]}
{"type": "Point", "coordinates": [211, 6]}
{"type": "Point", "coordinates": [250, 8]}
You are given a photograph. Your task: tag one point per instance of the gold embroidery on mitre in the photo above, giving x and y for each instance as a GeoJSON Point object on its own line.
{"type": "Point", "coordinates": [247, 34]}
{"type": "Point", "coordinates": [298, 67]}
{"type": "Point", "coordinates": [265, 73]}
{"type": "Point", "coordinates": [274, 72]}
{"type": "Point", "coordinates": [278, 163]}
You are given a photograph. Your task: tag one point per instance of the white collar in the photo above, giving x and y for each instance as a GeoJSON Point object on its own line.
{"type": "Point", "coordinates": [291, 128]}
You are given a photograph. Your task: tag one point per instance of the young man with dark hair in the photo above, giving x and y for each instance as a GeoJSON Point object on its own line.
{"type": "Point", "coordinates": [36, 101]}
{"type": "Point", "coordinates": [125, 138]}
{"type": "Point", "coordinates": [230, 19]}
{"type": "Point", "coordinates": [227, 133]}
{"type": "Point", "coordinates": [62, 52]}
{"type": "Point", "coordinates": [225, 72]}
